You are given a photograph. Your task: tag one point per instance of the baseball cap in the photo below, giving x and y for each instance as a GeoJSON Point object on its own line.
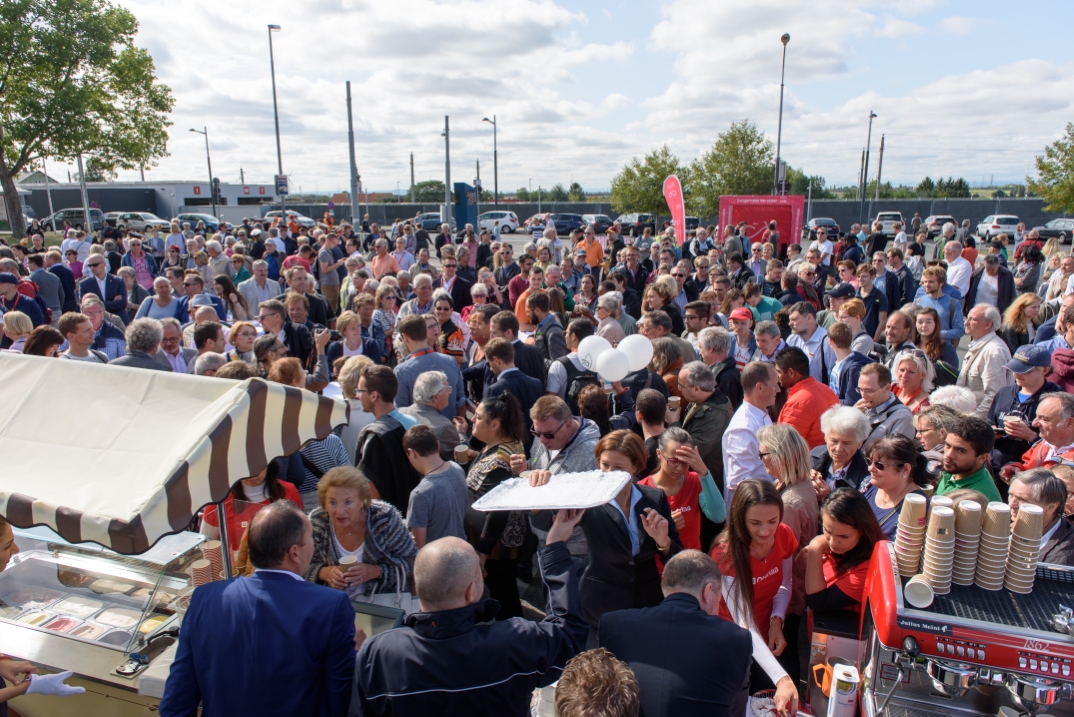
{"type": "Point", "coordinates": [1029, 357]}
{"type": "Point", "coordinates": [843, 290]}
{"type": "Point", "coordinates": [742, 314]}
{"type": "Point", "coordinates": [201, 300]}
{"type": "Point", "coordinates": [6, 277]}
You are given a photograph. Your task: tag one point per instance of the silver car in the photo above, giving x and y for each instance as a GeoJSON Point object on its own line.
{"type": "Point", "coordinates": [887, 222]}
{"type": "Point", "coordinates": [143, 221]}
{"type": "Point", "coordinates": [995, 224]}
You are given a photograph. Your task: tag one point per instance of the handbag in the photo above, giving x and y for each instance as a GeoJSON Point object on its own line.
{"type": "Point", "coordinates": [400, 599]}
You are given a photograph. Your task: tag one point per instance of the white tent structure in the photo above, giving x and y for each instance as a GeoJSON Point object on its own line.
{"type": "Point", "coordinates": [123, 456]}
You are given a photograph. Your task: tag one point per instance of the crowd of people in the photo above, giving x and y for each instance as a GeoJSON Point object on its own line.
{"type": "Point", "coordinates": [796, 395]}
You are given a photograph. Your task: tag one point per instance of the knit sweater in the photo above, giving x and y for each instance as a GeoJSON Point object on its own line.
{"type": "Point", "coordinates": [388, 544]}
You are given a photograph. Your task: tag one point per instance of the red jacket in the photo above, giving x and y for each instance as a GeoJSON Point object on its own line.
{"type": "Point", "coordinates": [1037, 457]}
{"type": "Point", "coordinates": [1063, 369]}
{"type": "Point", "coordinates": [806, 400]}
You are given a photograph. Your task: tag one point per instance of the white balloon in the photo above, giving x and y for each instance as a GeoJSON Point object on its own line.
{"type": "Point", "coordinates": [590, 348]}
{"type": "Point", "coordinates": [639, 351]}
{"type": "Point", "coordinates": [613, 365]}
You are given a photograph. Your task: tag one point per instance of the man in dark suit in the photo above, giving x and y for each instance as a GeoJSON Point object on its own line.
{"type": "Point", "coordinates": [528, 360]}
{"type": "Point", "coordinates": [56, 267]}
{"type": "Point", "coordinates": [500, 357]}
{"type": "Point", "coordinates": [110, 289]}
{"type": "Point", "coordinates": [669, 647]}
{"type": "Point", "coordinates": [288, 645]}
{"type": "Point", "coordinates": [457, 287]}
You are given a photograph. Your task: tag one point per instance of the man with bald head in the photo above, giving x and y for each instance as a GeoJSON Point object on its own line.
{"type": "Point", "coordinates": [450, 654]}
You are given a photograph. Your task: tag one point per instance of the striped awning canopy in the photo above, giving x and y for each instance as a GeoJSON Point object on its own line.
{"type": "Point", "coordinates": [122, 456]}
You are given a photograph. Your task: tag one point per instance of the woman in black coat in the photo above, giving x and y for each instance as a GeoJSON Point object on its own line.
{"type": "Point", "coordinates": [840, 463]}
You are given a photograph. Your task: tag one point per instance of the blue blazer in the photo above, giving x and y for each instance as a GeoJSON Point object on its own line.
{"type": "Point", "coordinates": [264, 645]}
{"type": "Point", "coordinates": [113, 286]}
{"type": "Point", "coordinates": [369, 348]}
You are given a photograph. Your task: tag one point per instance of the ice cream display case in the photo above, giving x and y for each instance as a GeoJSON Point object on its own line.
{"type": "Point", "coordinates": [85, 608]}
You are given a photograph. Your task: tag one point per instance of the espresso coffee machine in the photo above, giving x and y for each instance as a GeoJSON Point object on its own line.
{"type": "Point", "coordinates": [971, 652]}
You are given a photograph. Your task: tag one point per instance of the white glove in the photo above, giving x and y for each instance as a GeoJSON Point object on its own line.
{"type": "Point", "coordinates": [53, 685]}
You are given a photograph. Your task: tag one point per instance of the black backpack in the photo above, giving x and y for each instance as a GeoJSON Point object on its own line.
{"type": "Point", "coordinates": [576, 381]}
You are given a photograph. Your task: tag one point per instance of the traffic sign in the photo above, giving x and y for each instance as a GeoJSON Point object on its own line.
{"type": "Point", "coordinates": [281, 185]}
{"type": "Point", "coordinates": [331, 205]}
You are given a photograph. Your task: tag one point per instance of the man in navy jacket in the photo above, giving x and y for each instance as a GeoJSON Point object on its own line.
{"type": "Point", "coordinates": [450, 659]}
{"type": "Point", "coordinates": [54, 262]}
{"type": "Point", "coordinates": [268, 644]}
{"type": "Point", "coordinates": [670, 647]}
{"type": "Point", "coordinates": [115, 291]}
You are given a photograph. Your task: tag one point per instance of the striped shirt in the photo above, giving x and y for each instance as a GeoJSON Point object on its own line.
{"type": "Point", "coordinates": [325, 455]}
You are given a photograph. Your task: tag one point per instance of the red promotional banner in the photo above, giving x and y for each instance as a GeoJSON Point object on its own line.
{"type": "Point", "coordinates": [787, 211]}
{"type": "Point", "coordinates": [673, 196]}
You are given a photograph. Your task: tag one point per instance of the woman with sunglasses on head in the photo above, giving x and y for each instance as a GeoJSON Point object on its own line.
{"type": "Point", "coordinates": [238, 264]}
{"type": "Point", "coordinates": [687, 484]}
{"type": "Point", "coordinates": [755, 553]}
{"type": "Point", "coordinates": [234, 302]}
{"type": "Point", "coordinates": [896, 470]}
{"type": "Point", "coordinates": [914, 377]}
{"type": "Point", "coordinates": [386, 310]}
{"type": "Point", "coordinates": [497, 536]}
{"type": "Point", "coordinates": [268, 349]}
{"type": "Point", "coordinates": [837, 561]}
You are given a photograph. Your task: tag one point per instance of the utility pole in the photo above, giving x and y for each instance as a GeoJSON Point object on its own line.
{"type": "Point", "coordinates": [879, 167]}
{"type": "Point", "coordinates": [779, 132]}
{"type": "Point", "coordinates": [861, 171]}
{"type": "Point", "coordinates": [142, 170]}
{"type": "Point", "coordinates": [48, 189]}
{"type": "Point", "coordinates": [447, 171]}
{"type": "Point", "coordinates": [355, 219]}
{"type": "Point", "coordinates": [538, 198]}
{"type": "Point", "coordinates": [242, 176]}
{"type": "Point", "coordinates": [413, 188]}
{"type": "Point", "coordinates": [87, 226]}
{"type": "Point", "coordinates": [276, 118]}
{"type": "Point", "coordinates": [477, 192]}
{"type": "Point", "coordinates": [865, 168]}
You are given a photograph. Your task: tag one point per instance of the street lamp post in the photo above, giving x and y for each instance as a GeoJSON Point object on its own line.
{"type": "Point", "coordinates": [779, 131]}
{"type": "Point", "coordinates": [865, 168]}
{"type": "Point", "coordinates": [276, 117]}
{"type": "Point", "coordinates": [446, 134]}
{"type": "Point", "coordinates": [209, 161]}
{"type": "Point", "coordinates": [495, 162]}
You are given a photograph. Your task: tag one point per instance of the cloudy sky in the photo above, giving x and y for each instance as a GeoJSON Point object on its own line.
{"type": "Point", "coordinates": [581, 86]}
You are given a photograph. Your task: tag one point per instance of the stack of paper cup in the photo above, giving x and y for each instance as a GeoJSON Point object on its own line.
{"type": "Point", "coordinates": [202, 572]}
{"type": "Point", "coordinates": [910, 535]}
{"type": "Point", "coordinates": [939, 501]}
{"type": "Point", "coordinates": [967, 541]}
{"type": "Point", "coordinates": [994, 546]}
{"type": "Point", "coordinates": [1024, 550]}
{"type": "Point", "coordinates": [212, 551]}
{"type": "Point", "coordinates": [940, 549]}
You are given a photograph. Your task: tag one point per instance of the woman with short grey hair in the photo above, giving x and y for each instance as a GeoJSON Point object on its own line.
{"type": "Point", "coordinates": [432, 393]}
{"type": "Point", "coordinates": [840, 463]}
{"type": "Point", "coordinates": [609, 327]}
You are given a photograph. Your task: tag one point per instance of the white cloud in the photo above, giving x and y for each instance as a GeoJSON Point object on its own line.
{"type": "Point", "coordinates": [894, 27]}
{"type": "Point", "coordinates": [957, 25]}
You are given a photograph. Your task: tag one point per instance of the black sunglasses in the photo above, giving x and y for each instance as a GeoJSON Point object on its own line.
{"type": "Point", "coordinates": [548, 436]}
{"type": "Point", "coordinates": [879, 465]}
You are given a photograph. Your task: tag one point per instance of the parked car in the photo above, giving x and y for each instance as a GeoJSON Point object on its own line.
{"type": "Point", "coordinates": [537, 222]}
{"type": "Point", "coordinates": [934, 224]}
{"type": "Point", "coordinates": [634, 224]}
{"type": "Point", "coordinates": [430, 221]}
{"type": "Point", "coordinates": [827, 222]}
{"type": "Point", "coordinates": [303, 221]}
{"type": "Point", "coordinates": [112, 218]}
{"type": "Point", "coordinates": [996, 224]}
{"type": "Point", "coordinates": [598, 222]}
{"type": "Point", "coordinates": [143, 221]}
{"type": "Point", "coordinates": [211, 222]}
{"type": "Point", "coordinates": [76, 217]}
{"type": "Point", "coordinates": [1063, 229]}
{"type": "Point", "coordinates": [887, 222]}
{"type": "Point", "coordinates": [508, 221]}
{"type": "Point", "coordinates": [566, 223]}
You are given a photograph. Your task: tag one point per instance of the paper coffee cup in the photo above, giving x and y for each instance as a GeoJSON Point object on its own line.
{"type": "Point", "coordinates": [941, 523]}
{"type": "Point", "coordinates": [1030, 521]}
{"type": "Point", "coordinates": [968, 517]}
{"type": "Point", "coordinates": [348, 560]}
{"type": "Point", "coordinates": [674, 402]}
{"type": "Point", "coordinates": [918, 591]}
{"type": "Point", "coordinates": [462, 453]}
{"type": "Point", "coordinates": [914, 508]}
{"type": "Point", "coordinates": [997, 519]}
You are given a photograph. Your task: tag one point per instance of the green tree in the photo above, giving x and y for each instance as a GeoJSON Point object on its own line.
{"type": "Point", "coordinates": [576, 193]}
{"type": "Point", "coordinates": [740, 162]}
{"type": "Point", "coordinates": [1055, 174]}
{"type": "Point", "coordinates": [96, 172]}
{"type": "Point", "coordinates": [522, 194]}
{"type": "Point", "coordinates": [557, 193]}
{"type": "Point", "coordinates": [800, 184]}
{"type": "Point", "coordinates": [72, 81]}
{"type": "Point", "coordinates": [639, 186]}
{"type": "Point", "coordinates": [430, 191]}
{"type": "Point", "coordinates": [926, 187]}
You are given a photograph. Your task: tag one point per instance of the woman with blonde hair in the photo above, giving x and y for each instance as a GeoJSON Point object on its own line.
{"type": "Point", "coordinates": [17, 328]}
{"type": "Point", "coordinates": [785, 456]}
{"type": "Point", "coordinates": [914, 377]}
{"type": "Point", "coordinates": [242, 336]}
{"type": "Point", "coordinates": [660, 296]}
{"type": "Point", "coordinates": [350, 523]}
{"type": "Point", "coordinates": [1019, 321]}
{"type": "Point", "coordinates": [852, 313]}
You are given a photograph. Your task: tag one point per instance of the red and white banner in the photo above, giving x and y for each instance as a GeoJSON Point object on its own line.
{"type": "Point", "coordinates": [676, 203]}
{"type": "Point", "coordinates": [788, 211]}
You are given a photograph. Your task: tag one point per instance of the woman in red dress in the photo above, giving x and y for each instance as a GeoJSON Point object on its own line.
{"type": "Point", "coordinates": [837, 561]}
{"type": "Point", "coordinates": [251, 494]}
{"type": "Point", "coordinates": [755, 553]}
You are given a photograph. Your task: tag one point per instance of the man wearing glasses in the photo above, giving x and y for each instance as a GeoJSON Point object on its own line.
{"type": "Point", "coordinates": [886, 414]}
{"type": "Point", "coordinates": [109, 289]}
{"type": "Point", "coordinates": [457, 287]}
{"type": "Point", "coordinates": [823, 246]}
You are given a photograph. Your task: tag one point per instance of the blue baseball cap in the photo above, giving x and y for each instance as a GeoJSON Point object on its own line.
{"type": "Point", "coordinates": [7, 277]}
{"type": "Point", "coordinates": [1026, 358]}
{"type": "Point", "coordinates": [843, 290]}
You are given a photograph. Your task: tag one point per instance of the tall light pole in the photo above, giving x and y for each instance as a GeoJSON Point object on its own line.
{"type": "Point", "coordinates": [209, 161]}
{"type": "Point", "coordinates": [495, 162]}
{"type": "Point", "coordinates": [779, 131]}
{"type": "Point", "coordinates": [355, 219]}
{"type": "Point", "coordinates": [865, 168]}
{"type": "Point", "coordinates": [276, 117]}
{"type": "Point", "coordinates": [446, 134]}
